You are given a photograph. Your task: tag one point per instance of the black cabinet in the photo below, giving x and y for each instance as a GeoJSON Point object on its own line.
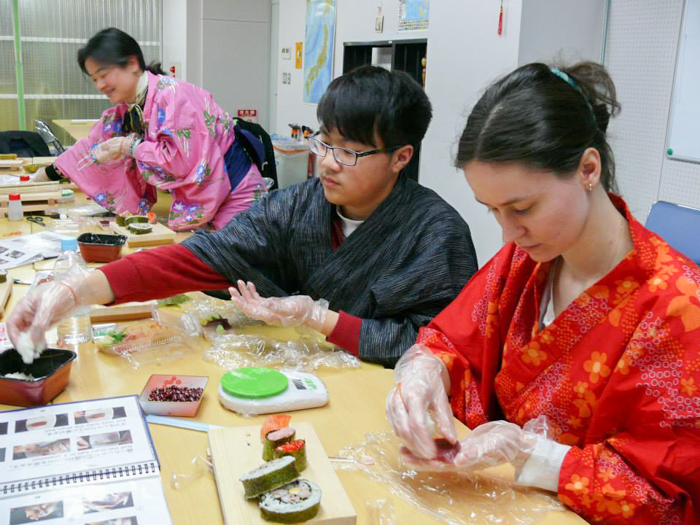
{"type": "Point", "coordinates": [405, 55]}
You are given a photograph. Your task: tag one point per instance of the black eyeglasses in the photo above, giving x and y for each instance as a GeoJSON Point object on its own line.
{"type": "Point", "coordinates": [344, 156]}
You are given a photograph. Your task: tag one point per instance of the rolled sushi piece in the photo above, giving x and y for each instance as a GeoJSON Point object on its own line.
{"type": "Point", "coordinates": [121, 219]}
{"type": "Point", "coordinates": [269, 476]}
{"type": "Point", "coordinates": [296, 449]}
{"type": "Point", "coordinates": [136, 219]}
{"type": "Point", "coordinates": [295, 502]}
{"type": "Point", "coordinates": [138, 228]}
{"type": "Point", "coordinates": [274, 439]}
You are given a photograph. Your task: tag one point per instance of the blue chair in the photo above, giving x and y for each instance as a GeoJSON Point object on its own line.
{"type": "Point", "coordinates": [678, 225]}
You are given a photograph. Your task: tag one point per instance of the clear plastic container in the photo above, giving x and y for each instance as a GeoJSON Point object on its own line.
{"type": "Point", "coordinates": [14, 207]}
{"type": "Point", "coordinates": [292, 158]}
{"type": "Point", "coordinates": [76, 329]}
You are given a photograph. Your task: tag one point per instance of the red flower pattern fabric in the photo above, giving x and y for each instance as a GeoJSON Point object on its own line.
{"type": "Point", "coordinates": [616, 374]}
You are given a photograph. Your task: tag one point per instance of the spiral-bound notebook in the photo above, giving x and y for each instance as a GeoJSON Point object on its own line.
{"type": "Point", "coordinates": [88, 463]}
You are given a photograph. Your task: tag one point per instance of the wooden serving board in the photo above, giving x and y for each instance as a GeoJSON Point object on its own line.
{"type": "Point", "coordinates": [30, 187]}
{"type": "Point", "coordinates": [5, 292]}
{"type": "Point", "coordinates": [160, 235]}
{"type": "Point", "coordinates": [122, 312]}
{"type": "Point", "coordinates": [237, 451]}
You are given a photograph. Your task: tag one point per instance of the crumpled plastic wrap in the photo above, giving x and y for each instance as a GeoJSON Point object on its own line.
{"type": "Point", "coordinates": [198, 466]}
{"type": "Point", "coordinates": [305, 350]}
{"type": "Point", "coordinates": [167, 344]}
{"type": "Point", "coordinates": [456, 499]}
{"type": "Point", "coordinates": [203, 308]}
{"type": "Point", "coordinates": [380, 512]}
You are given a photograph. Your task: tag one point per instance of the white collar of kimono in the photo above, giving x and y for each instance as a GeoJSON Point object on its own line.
{"type": "Point", "coordinates": [349, 225]}
{"type": "Point", "coordinates": [140, 89]}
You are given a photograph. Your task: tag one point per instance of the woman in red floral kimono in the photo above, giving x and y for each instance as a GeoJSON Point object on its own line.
{"type": "Point", "coordinates": [574, 353]}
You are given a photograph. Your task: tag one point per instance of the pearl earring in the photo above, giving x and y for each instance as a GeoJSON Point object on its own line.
{"type": "Point", "coordinates": [590, 186]}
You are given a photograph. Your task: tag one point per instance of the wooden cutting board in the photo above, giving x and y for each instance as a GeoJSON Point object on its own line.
{"type": "Point", "coordinates": [122, 312]}
{"type": "Point", "coordinates": [237, 451]}
{"type": "Point", "coordinates": [5, 292]}
{"type": "Point", "coordinates": [160, 235]}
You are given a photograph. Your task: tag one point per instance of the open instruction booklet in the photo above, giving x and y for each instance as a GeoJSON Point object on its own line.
{"type": "Point", "coordinates": [88, 463]}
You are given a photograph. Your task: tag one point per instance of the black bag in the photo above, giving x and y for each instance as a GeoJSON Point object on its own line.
{"type": "Point", "coordinates": [23, 143]}
{"type": "Point", "coordinates": [268, 168]}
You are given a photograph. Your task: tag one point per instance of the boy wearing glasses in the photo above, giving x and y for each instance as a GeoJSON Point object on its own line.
{"type": "Point", "coordinates": [360, 253]}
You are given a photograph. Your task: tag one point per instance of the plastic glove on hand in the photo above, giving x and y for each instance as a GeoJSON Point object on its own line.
{"type": "Point", "coordinates": [488, 445]}
{"type": "Point", "coordinates": [37, 311]}
{"type": "Point", "coordinates": [112, 149]}
{"type": "Point", "coordinates": [40, 176]}
{"type": "Point", "coordinates": [422, 382]}
{"type": "Point", "coordinates": [297, 310]}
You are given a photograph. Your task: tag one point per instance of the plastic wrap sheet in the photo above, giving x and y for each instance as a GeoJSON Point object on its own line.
{"type": "Point", "coordinates": [304, 350]}
{"type": "Point", "coordinates": [204, 308]}
{"type": "Point", "coordinates": [454, 499]}
{"type": "Point", "coordinates": [197, 467]}
{"type": "Point", "coordinates": [148, 342]}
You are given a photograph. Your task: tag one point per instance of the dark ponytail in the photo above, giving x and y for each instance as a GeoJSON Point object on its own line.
{"type": "Point", "coordinates": [545, 118]}
{"type": "Point", "coordinates": [113, 46]}
{"type": "Point", "coordinates": [155, 68]}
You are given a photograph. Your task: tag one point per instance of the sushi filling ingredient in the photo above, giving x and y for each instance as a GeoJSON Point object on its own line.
{"type": "Point", "coordinates": [292, 503]}
{"type": "Point", "coordinates": [269, 476]}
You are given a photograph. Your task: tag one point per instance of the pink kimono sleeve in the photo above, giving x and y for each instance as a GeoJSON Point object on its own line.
{"type": "Point", "coordinates": [113, 185]}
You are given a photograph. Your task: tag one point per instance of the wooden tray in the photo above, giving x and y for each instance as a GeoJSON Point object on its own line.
{"type": "Point", "coordinates": [30, 187]}
{"type": "Point", "coordinates": [122, 312]}
{"type": "Point", "coordinates": [11, 164]}
{"type": "Point", "coordinates": [236, 451]}
{"type": "Point", "coordinates": [5, 292]}
{"type": "Point", "coordinates": [32, 201]}
{"type": "Point", "coordinates": [160, 235]}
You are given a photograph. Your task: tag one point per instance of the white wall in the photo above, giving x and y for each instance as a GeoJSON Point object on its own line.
{"type": "Point", "coordinates": [175, 35]}
{"type": "Point", "coordinates": [565, 31]}
{"type": "Point", "coordinates": [641, 56]}
{"type": "Point", "coordinates": [465, 54]}
{"type": "Point", "coordinates": [228, 52]}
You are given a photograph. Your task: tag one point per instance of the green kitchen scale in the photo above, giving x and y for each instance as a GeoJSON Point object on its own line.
{"type": "Point", "coordinates": [257, 390]}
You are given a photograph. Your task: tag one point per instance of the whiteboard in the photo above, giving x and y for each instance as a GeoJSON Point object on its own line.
{"type": "Point", "coordinates": [683, 137]}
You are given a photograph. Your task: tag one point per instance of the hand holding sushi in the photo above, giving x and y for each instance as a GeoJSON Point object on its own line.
{"type": "Point", "coordinates": [422, 383]}
{"type": "Point", "coordinates": [113, 149]}
{"type": "Point", "coordinates": [50, 302]}
{"type": "Point", "coordinates": [298, 310]}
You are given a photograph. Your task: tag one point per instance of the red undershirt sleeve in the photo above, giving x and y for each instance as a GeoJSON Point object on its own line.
{"type": "Point", "coordinates": [160, 272]}
{"type": "Point", "coordinates": [346, 333]}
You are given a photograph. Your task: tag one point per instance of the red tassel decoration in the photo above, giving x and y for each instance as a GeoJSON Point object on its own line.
{"type": "Point", "coordinates": [500, 20]}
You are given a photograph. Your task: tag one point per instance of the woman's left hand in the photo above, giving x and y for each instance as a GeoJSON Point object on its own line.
{"type": "Point", "coordinates": [113, 149]}
{"type": "Point", "coordinates": [488, 445]}
{"type": "Point", "coordinates": [297, 310]}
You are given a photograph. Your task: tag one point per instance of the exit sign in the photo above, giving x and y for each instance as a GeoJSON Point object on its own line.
{"type": "Point", "coordinates": [251, 115]}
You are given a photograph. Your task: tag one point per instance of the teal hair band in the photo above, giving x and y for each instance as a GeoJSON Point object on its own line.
{"type": "Point", "coordinates": [566, 78]}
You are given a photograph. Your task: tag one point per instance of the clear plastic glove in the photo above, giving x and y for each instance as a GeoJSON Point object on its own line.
{"type": "Point", "coordinates": [488, 445]}
{"type": "Point", "coordinates": [113, 149]}
{"type": "Point", "coordinates": [40, 176]}
{"type": "Point", "coordinates": [37, 311]}
{"type": "Point", "coordinates": [422, 383]}
{"type": "Point", "coordinates": [297, 310]}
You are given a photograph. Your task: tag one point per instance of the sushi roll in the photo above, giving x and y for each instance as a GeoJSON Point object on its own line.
{"type": "Point", "coordinates": [295, 502]}
{"type": "Point", "coordinates": [296, 449]}
{"type": "Point", "coordinates": [138, 228]}
{"type": "Point", "coordinates": [121, 219]}
{"type": "Point", "coordinates": [269, 476]}
{"type": "Point", "coordinates": [136, 219]}
{"type": "Point", "coordinates": [274, 439]}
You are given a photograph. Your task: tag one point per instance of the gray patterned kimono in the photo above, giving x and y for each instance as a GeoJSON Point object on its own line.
{"type": "Point", "coordinates": [396, 271]}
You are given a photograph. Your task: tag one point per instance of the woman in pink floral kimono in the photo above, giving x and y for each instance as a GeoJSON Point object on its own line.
{"type": "Point", "coordinates": [162, 133]}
